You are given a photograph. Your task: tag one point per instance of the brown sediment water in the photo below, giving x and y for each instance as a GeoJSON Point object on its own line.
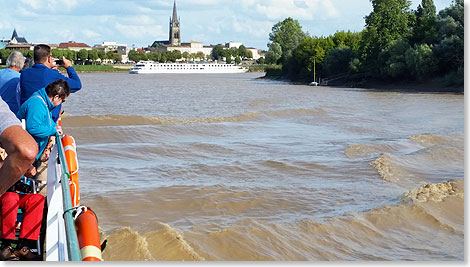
{"type": "Point", "coordinates": [233, 168]}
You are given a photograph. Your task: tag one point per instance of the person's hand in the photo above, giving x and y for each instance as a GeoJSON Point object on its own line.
{"type": "Point", "coordinates": [67, 63]}
{"type": "Point", "coordinates": [59, 130]}
{"type": "Point", "coordinates": [55, 66]}
{"type": "Point", "coordinates": [30, 172]}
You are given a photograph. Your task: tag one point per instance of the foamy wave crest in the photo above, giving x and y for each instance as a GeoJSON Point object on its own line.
{"type": "Point", "coordinates": [162, 243]}
{"type": "Point", "coordinates": [386, 168]}
{"type": "Point", "coordinates": [124, 239]}
{"type": "Point", "coordinates": [360, 150]}
{"type": "Point", "coordinates": [123, 120]}
{"type": "Point", "coordinates": [434, 192]}
{"type": "Point", "coordinates": [427, 139]}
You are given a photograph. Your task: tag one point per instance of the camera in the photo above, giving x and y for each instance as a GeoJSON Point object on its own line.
{"type": "Point", "coordinates": [59, 62]}
{"type": "Point", "coordinates": [20, 186]}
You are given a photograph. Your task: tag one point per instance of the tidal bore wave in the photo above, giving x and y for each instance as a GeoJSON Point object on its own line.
{"type": "Point", "coordinates": [123, 120]}
{"type": "Point", "coordinates": [392, 231]}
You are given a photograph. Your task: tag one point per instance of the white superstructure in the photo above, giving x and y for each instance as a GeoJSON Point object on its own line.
{"type": "Point", "coordinates": [144, 67]}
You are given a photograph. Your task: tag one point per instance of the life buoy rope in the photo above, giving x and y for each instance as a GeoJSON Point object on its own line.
{"type": "Point", "coordinates": [70, 151]}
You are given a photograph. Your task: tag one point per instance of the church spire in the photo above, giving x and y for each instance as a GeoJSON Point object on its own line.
{"type": "Point", "coordinates": [14, 35]}
{"type": "Point", "coordinates": [175, 38]}
{"type": "Point", "coordinates": [175, 15]}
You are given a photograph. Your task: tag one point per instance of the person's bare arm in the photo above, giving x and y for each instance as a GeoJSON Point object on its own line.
{"type": "Point", "coordinates": [21, 149]}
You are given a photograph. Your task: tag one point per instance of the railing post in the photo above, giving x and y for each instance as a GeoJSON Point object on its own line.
{"type": "Point", "coordinates": [71, 234]}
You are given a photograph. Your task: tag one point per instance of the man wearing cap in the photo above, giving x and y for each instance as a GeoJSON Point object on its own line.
{"type": "Point", "coordinates": [43, 73]}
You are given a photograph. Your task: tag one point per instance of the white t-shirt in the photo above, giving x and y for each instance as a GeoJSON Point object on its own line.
{"type": "Point", "coordinates": [7, 118]}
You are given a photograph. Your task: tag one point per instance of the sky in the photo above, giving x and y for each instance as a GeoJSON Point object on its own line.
{"type": "Point", "coordinates": [140, 22]}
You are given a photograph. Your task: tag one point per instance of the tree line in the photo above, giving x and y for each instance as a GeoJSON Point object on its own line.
{"type": "Point", "coordinates": [219, 52]}
{"type": "Point", "coordinates": [80, 57]}
{"type": "Point", "coordinates": [397, 44]}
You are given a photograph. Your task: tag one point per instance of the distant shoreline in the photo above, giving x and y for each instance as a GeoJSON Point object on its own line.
{"type": "Point", "coordinates": [434, 86]}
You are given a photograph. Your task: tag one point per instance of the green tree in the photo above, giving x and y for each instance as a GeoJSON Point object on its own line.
{"type": "Point", "coordinates": [28, 53]}
{"type": "Point", "coordinates": [186, 55]}
{"type": "Point", "coordinates": [57, 53]}
{"type": "Point", "coordinates": [82, 55]}
{"type": "Point", "coordinates": [228, 59]}
{"type": "Point", "coordinates": [288, 35]}
{"type": "Point", "coordinates": [238, 60]}
{"type": "Point", "coordinates": [338, 60]}
{"type": "Point", "coordinates": [244, 53]}
{"type": "Point", "coordinates": [421, 61]}
{"type": "Point", "coordinates": [395, 63]}
{"type": "Point", "coordinates": [450, 49]}
{"type": "Point", "coordinates": [218, 52]}
{"type": "Point", "coordinates": [154, 56]}
{"type": "Point", "coordinates": [389, 21]}
{"type": "Point", "coordinates": [425, 30]}
{"type": "Point", "coordinates": [233, 51]}
{"type": "Point", "coordinates": [93, 55]}
{"type": "Point", "coordinates": [274, 53]}
{"type": "Point", "coordinates": [348, 39]}
{"type": "Point", "coordinates": [175, 55]}
{"type": "Point", "coordinates": [117, 57]}
{"type": "Point", "coordinates": [102, 55]}
{"type": "Point", "coordinates": [310, 52]}
{"type": "Point", "coordinates": [4, 55]}
{"type": "Point", "coordinates": [110, 55]}
{"type": "Point", "coordinates": [200, 55]}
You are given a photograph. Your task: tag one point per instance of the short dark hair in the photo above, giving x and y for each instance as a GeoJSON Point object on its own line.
{"type": "Point", "coordinates": [41, 52]}
{"type": "Point", "coordinates": [59, 87]}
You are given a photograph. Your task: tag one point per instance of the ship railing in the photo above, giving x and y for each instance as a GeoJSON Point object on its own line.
{"type": "Point", "coordinates": [73, 249]}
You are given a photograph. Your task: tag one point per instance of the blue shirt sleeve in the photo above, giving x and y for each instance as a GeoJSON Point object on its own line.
{"type": "Point", "coordinates": [38, 122]}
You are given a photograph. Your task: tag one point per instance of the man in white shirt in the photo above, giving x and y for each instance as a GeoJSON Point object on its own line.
{"type": "Point", "coordinates": [18, 144]}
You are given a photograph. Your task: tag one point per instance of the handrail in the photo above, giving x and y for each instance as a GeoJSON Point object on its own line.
{"type": "Point", "coordinates": [71, 234]}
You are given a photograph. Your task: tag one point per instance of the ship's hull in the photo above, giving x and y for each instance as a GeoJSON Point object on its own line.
{"type": "Point", "coordinates": [186, 68]}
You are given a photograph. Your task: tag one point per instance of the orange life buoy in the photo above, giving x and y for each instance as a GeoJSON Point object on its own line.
{"type": "Point", "coordinates": [70, 151]}
{"type": "Point", "coordinates": [88, 236]}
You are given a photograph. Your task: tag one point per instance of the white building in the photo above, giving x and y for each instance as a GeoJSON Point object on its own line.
{"type": "Point", "coordinates": [114, 47]}
{"type": "Point", "coordinates": [233, 44]}
{"type": "Point", "coordinates": [192, 47]}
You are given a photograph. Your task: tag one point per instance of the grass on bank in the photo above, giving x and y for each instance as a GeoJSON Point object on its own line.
{"type": "Point", "coordinates": [100, 68]}
{"type": "Point", "coordinates": [93, 68]}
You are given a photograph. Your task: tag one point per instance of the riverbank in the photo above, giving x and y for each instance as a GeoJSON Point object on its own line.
{"type": "Point", "coordinates": [94, 68]}
{"type": "Point", "coordinates": [436, 85]}
{"type": "Point", "coordinates": [101, 68]}
{"type": "Point", "coordinates": [433, 86]}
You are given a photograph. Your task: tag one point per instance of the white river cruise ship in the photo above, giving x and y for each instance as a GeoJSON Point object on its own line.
{"type": "Point", "coordinates": [146, 67]}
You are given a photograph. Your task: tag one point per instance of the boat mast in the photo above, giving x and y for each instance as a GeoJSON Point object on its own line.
{"type": "Point", "coordinates": [314, 70]}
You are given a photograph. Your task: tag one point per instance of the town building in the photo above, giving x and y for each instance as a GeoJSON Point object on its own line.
{"type": "Point", "coordinates": [72, 45]}
{"type": "Point", "coordinates": [115, 48]}
{"type": "Point", "coordinates": [18, 43]}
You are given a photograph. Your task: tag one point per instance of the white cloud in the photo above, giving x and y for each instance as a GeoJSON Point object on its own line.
{"type": "Point", "coordinates": [34, 4]}
{"type": "Point", "coordinates": [298, 9]}
{"type": "Point", "coordinates": [50, 5]}
{"type": "Point", "coordinates": [141, 9]}
{"type": "Point", "coordinates": [251, 27]}
{"type": "Point", "coordinates": [90, 33]}
{"type": "Point", "coordinates": [142, 31]}
{"type": "Point", "coordinates": [23, 11]}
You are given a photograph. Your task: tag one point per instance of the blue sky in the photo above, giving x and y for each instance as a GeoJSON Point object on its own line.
{"type": "Point", "coordinates": [141, 22]}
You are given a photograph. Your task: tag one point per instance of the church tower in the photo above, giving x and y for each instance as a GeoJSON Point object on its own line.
{"type": "Point", "coordinates": [175, 37]}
